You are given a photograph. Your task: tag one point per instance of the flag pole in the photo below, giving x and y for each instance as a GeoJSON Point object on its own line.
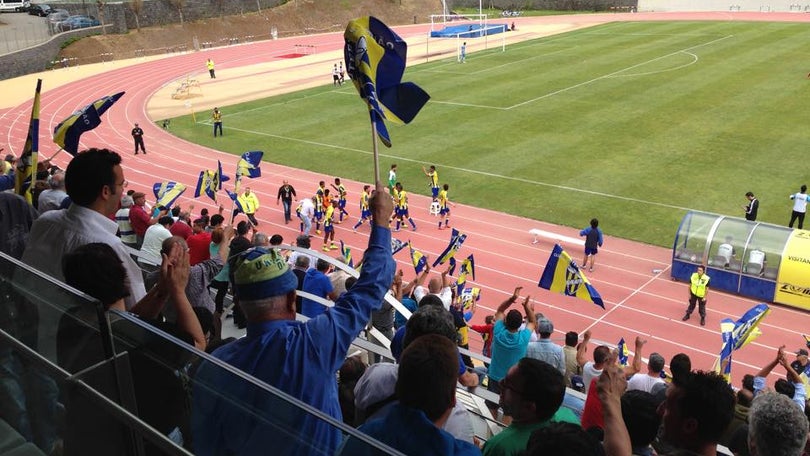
{"type": "Point", "coordinates": [375, 152]}
{"type": "Point", "coordinates": [55, 154]}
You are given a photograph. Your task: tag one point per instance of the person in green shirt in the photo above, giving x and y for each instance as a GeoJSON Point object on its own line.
{"type": "Point", "coordinates": [531, 393]}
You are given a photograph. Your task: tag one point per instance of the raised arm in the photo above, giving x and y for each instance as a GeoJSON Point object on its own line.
{"type": "Point", "coordinates": [582, 348]}
{"type": "Point", "coordinates": [635, 366]}
{"type": "Point", "coordinates": [499, 313]}
{"type": "Point", "coordinates": [610, 387]}
{"type": "Point", "coordinates": [766, 370]}
{"type": "Point", "coordinates": [531, 318]}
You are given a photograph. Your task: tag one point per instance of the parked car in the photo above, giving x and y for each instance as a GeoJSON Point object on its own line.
{"type": "Point", "coordinates": [77, 22]}
{"type": "Point", "coordinates": [23, 8]}
{"type": "Point", "coordinates": [38, 9]}
{"type": "Point", "coordinates": [56, 16]}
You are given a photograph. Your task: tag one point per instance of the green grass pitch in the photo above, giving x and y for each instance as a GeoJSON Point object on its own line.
{"type": "Point", "coordinates": [632, 123]}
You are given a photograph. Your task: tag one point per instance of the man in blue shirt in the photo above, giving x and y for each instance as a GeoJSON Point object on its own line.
{"type": "Point", "coordinates": [317, 283]}
{"type": "Point", "coordinates": [231, 416]}
{"type": "Point", "coordinates": [426, 389]}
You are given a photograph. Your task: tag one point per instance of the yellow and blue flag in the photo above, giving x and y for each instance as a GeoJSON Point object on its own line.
{"type": "Point", "coordinates": [347, 254]}
{"type": "Point", "coordinates": [26, 172]}
{"type": "Point", "coordinates": [375, 61]}
{"type": "Point", "coordinates": [237, 206]}
{"type": "Point", "coordinates": [467, 298]}
{"type": "Point", "coordinates": [397, 245]}
{"type": "Point", "coordinates": [167, 192]}
{"type": "Point", "coordinates": [418, 259]}
{"type": "Point", "coordinates": [66, 135]}
{"type": "Point", "coordinates": [562, 275]}
{"type": "Point", "coordinates": [738, 334]}
{"type": "Point", "coordinates": [204, 184]}
{"type": "Point", "coordinates": [248, 166]}
{"type": "Point", "coordinates": [624, 353]}
{"type": "Point", "coordinates": [456, 239]}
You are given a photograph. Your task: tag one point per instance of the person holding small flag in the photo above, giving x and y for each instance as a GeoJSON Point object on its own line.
{"type": "Point", "coordinates": [699, 285]}
{"type": "Point", "coordinates": [137, 136]}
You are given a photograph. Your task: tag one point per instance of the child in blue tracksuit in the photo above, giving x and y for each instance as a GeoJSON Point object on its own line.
{"type": "Point", "coordinates": [593, 240]}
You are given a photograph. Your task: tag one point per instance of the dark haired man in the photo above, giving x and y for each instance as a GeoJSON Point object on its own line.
{"type": "Point", "coordinates": [531, 393]}
{"type": "Point", "coordinates": [95, 182]}
{"type": "Point", "coordinates": [698, 287]}
{"type": "Point", "coordinates": [799, 207]}
{"type": "Point", "coordinates": [509, 341]}
{"type": "Point", "coordinates": [426, 391]}
{"type": "Point", "coordinates": [697, 410]}
{"type": "Point", "coordinates": [752, 207]}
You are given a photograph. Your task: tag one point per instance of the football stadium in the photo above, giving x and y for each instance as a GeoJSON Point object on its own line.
{"type": "Point", "coordinates": [252, 245]}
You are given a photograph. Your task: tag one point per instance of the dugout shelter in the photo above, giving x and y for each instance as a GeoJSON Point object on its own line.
{"type": "Point", "coordinates": [758, 260]}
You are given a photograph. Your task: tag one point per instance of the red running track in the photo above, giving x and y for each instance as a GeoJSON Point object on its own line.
{"type": "Point", "coordinates": [638, 302]}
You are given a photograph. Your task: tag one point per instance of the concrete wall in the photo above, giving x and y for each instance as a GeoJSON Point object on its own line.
{"type": "Point", "coordinates": [160, 12]}
{"type": "Point", "coordinates": [38, 58]}
{"type": "Point", "coordinates": [724, 5]}
{"type": "Point", "coordinates": [564, 5]}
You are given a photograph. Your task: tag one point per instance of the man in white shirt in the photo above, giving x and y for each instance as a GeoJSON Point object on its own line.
{"type": "Point", "coordinates": [645, 382]}
{"type": "Point", "coordinates": [95, 182]}
{"type": "Point", "coordinates": [593, 369]}
{"type": "Point", "coordinates": [799, 207]}
{"type": "Point", "coordinates": [153, 243]}
{"type": "Point", "coordinates": [306, 213]}
{"type": "Point", "coordinates": [439, 286]}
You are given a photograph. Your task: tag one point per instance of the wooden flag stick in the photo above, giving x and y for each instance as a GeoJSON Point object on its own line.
{"type": "Point", "coordinates": [55, 154]}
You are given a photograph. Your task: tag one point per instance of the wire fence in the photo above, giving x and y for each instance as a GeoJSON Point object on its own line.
{"type": "Point", "coordinates": [16, 37]}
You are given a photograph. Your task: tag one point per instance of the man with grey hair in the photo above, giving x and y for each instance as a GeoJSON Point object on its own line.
{"type": "Point", "coordinates": [261, 240]}
{"type": "Point", "coordinates": [776, 426]}
{"type": "Point", "coordinates": [51, 198]}
{"type": "Point", "coordinates": [645, 382]}
{"type": "Point", "coordinates": [299, 358]}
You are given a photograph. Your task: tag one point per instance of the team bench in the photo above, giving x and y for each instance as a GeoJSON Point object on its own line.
{"type": "Point", "coordinates": [557, 237]}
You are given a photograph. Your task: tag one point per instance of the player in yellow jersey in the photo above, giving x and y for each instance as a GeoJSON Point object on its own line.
{"type": "Point", "coordinates": [320, 193]}
{"type": "Point", "coordinates": [341, 199]}
{"type": "Point", "coordinates": [444, 207]}
{"type": "Point", "coordinates": [328, 227]}
{"type": "Point", "coordinates": [402, 207]}
{"type": "Point", "coordinates": [365, 212]}
{"type": "Point", "coordinates": [433, 178]}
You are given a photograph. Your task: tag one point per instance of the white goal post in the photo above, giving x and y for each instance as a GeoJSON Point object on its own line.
{"type": "Point", "coordinates": [472, 29]}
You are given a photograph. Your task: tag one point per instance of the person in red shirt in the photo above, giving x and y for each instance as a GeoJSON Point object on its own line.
{"type": "Point", "coordinates": [140, 219]}
{"type": "Point", "coordinates": [486, 333]}
{"type": "Point", "coordinates": [199, 243]}
{"type": "Point", "coordinates": [182, 224]}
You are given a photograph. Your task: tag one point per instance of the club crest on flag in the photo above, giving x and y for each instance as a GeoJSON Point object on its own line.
{"type": "Point", "coordinates": [562, 275]}
{"type": "Point", "coordinates": [67, 133]}
{"type": "Point", "coordinates": [167, 192]}
{"type": "Point", "coordinates": [375, 61]}
{"type": "Point", "coordinates": [397, 245]}
{"type": "Point", "coordinates": [456, 239]}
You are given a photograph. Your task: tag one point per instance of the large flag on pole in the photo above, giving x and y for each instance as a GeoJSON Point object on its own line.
{"type": "Point", "coordinates": [26, 172]}
{"type": "Point", "coordinates": [248, 166]}
{"type": "Point", "coordinates": [738, 334]}
{"type": "Point", "coordinates": [167, 192]}
{"type": "Point", "coordinates": [66, 135]}
{"type": "Point", "coordinates": [456, 239]}
{"type": "Point", "coordinates": [375, 61]}
{"type": "Point", "coordinates": [562, 275]}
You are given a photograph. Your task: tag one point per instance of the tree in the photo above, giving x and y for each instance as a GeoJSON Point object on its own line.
{"type": "Point", "coordinates": [178, 5]}
{"type": "Point", "coordinates": [220, 4]}
{"type": "Point", "coordinates": [137, 8]}
{"type": "Point", "coordinates": [101, 4]}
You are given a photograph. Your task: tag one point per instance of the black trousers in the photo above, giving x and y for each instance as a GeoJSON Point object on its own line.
{"type": "Point", "coordinates": [700, 302]}
{"type": "Point", "coordinates": [796, 216]}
